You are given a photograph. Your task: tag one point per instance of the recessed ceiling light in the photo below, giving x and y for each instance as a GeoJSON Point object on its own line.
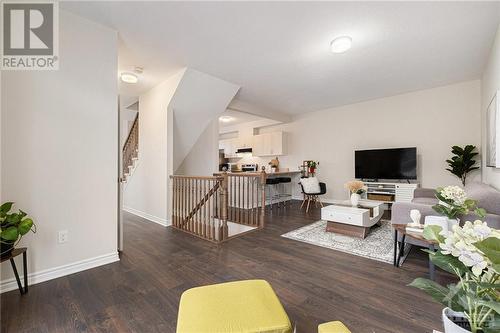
{"type": "Point", "coordinates": [341, 44]}
{"type": "Point", "coordinates": [226, 119]}
{"type": "Point", "coordinates": [128, 77]}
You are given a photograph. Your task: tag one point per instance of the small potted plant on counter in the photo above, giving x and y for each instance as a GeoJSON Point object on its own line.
{"type": "Point", "coordinates": [312, 165]}
{"type": "Point", "coordinates": [13, 227]}
{"type": "Point", "coordinates": [472, 253]}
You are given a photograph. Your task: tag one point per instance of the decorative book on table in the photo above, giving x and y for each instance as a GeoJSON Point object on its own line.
{"type": "Point", "coordinates": [415, 229]}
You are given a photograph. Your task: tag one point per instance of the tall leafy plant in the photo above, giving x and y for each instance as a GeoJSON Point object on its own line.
{"type": "Point", "coordinates": [462, 162]}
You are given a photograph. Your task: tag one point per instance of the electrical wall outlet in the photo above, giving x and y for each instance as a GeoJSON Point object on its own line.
{"type": "Point", "coordinates": [62, 236]}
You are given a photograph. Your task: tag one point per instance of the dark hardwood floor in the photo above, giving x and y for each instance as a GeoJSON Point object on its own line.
{"type": "Point", "coordinates": [141, 292]}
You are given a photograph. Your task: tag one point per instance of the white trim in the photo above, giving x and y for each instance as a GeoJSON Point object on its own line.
{"type": "Point", "coordinates": [149, 217]}
{"type": "Point", "coordinates": [56, 272]}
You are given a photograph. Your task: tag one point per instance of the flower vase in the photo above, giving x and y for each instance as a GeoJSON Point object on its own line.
{"type": "Point", "coordinates": [355, 199]}
{"type": "Point", "coordinates": [452, 320]}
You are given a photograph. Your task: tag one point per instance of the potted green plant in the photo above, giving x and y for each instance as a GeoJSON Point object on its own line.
{"type": "Point", "coordinates": [462, 162]}
{"type": "Point", "coordinates": [472, 253]}
{"type": "Point", "coordinates": [13, 227]}
{"type": "Point", "coordinates": [453, 203]}
{"type": "Point", "coordinates": [312, 165]}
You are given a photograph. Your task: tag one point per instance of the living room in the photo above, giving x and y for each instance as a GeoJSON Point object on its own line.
{"type": "Point", "coordinates": [331, 80]}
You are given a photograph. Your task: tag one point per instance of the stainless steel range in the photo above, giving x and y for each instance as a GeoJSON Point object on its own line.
{"type": "Point", "coordinates": [249, 167]}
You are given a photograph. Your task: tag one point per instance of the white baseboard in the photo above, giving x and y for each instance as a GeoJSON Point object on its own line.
{"type": "Point", "coordinates": [56, 272]}
{"type": "Point", "coordinates": [149, 217]}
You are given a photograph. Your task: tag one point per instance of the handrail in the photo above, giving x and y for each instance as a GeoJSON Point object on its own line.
{"type": "Point", "coordinates": [134, 124]}
{"type": "Point", "coordinates": [196, 177]}
{"type": "Point", "coordinates": [130, 147]}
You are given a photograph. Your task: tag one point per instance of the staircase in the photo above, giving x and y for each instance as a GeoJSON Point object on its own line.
{"type": "Point", "coordinates": [220, 207]}
{"type": "Point", "coordinates": [130, 150]}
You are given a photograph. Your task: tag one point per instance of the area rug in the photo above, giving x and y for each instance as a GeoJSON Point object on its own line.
{"type": "Point", "coordinates": [378, 245]}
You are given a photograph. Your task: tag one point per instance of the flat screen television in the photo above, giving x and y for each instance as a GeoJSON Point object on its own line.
{"type": "Point", "coordinates": [394, 163]}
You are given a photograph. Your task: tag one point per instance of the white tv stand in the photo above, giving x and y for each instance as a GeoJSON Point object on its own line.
{"type": "Point", "coordinates": [390, 192]}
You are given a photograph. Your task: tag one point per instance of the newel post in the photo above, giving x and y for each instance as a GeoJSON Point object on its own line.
{"type": "Point", "coordinates": [263, 177]}
{"type": "Point", "coordinates": [224, 206]}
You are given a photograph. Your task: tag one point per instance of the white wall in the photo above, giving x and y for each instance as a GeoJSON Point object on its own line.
{"type": "Point", "coordinates": [432, 120]}
{"type": "Point", "coordinates": [59, 152]}
{"type": "Point", "coordinates": [146, 193]}
{"type": "Point", "coordinates": [489, 85]}
{"type": "Point", "coordinates": [203, 158]}
{"type": "Point", "coordinates": [199, 99]}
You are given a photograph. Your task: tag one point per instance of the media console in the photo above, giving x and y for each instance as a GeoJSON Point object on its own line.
{"type": "Point", "coordinates": [390, 192]}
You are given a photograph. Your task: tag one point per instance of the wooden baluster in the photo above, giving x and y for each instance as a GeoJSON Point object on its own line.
{"type": "Point", "coordinates": [183, 212]}
{"type": "Point", "coordinates": [176, 197]}
{"type": "Point", "coordinates": [224, 205]}
{"type": "Point", "coordinates": [205, 233]}
{"type": "Point", "coordinates": [253, 200]}
{"type": "Point", "coordinates": [214, 211]}
{"type": "Point", "coordinates": [179, 203]}
{"type": "Point", "coordinates": [198, 183]}
{"type": "Point", "coordinates": [192, 204]}
{"type": "Point", "coordinates": [263, 199]}
{"type": "Point", "coordinates": [233, 199]}
{"type": "Point", "coordinates": [195, 200]}
{"type": "Point", "coordinates": [247, 181]}
{"type": "Point", "coordinates": [240, 192]}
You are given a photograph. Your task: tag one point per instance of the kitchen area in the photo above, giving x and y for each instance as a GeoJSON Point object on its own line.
{"type": "Point", "coordinates": [250, 144]}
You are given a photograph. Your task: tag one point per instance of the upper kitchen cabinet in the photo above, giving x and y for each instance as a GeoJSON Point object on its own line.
{"type": "Point", "coordinates": [230, 146]}
{"type": "Point", "coordinates": [269, 144]}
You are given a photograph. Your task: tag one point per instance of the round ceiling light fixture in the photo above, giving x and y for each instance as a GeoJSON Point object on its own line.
{"type": "Point", "coordinates": [225, 119]}
{"type": "Point", "coordinates": [128, 77]}
{"type": "Point", "coordinates": [341, 44]}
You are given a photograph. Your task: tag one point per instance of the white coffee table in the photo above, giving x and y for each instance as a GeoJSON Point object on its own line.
{"type": "Point", "coordinates": [345, 219]}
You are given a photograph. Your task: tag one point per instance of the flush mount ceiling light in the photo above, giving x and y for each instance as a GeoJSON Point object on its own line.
{"type": "Point", "coordinates": [128, 77]}
{"type": "Point", "coordinates": [341, 44]}
{"type": "Point", "coordinates": [225, 119]}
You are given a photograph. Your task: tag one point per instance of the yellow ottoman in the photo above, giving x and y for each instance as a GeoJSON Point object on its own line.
{"type": "Point", "coordinates": [333, 327]}
{"type": "Point", "coordinates": [241, 306]}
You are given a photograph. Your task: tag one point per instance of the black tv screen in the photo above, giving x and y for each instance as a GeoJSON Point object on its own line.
{"type": "Point", "coordinates": [395, 163]}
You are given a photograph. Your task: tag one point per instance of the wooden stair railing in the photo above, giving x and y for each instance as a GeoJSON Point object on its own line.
{"type": "Point", "coordinates": [246, 197]}
{"type": "Point", "coordinates": [198, 206]}
{"type": "Point", "coordinates": [203, 206]}
{"type": "Point", "coordinates": [130, 147]}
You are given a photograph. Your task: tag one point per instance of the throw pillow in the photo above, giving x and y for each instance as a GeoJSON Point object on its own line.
{"type": "Point", "coordinates": [311, 185]}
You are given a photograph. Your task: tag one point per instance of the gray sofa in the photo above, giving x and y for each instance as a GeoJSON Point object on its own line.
{"type": "Point", "coordinates": [423, 199]}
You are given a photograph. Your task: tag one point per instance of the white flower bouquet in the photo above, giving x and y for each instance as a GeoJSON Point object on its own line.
{"type": "Point", "coordinates": [472, 253]}
{"type": "Point", "coordinates": [453, 202]}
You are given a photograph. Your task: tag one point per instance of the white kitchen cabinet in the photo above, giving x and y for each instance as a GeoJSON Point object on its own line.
{"type": "Point", "coordinates": [229, 146]}
{"type": "Point", "coordinates": [269, 144]}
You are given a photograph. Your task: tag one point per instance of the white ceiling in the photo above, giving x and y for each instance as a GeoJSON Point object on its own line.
{"type": "Point", "coordinates": [238, 118]}
{"type": "Point", "coordinates": [278, 52]}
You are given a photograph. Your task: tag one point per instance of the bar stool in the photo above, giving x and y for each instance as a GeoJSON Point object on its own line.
{"type": "Point", "coordinates": [284, 193]}
{"type": "Point", "coordinates": [271, 184]}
